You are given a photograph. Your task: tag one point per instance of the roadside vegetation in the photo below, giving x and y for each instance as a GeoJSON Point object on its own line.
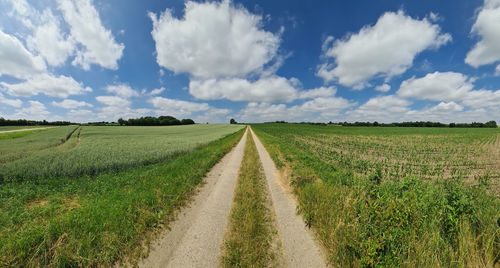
{"type": "Point", "coordinates": [97, 220]}
{"type": "Point", "coordinates": [251, 233]}
{"type": "Point", "coordinates": [74, 151]}
{"type": "Point", "coordinates": [394, 196]}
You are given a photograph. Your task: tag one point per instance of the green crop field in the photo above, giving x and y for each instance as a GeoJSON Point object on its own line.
{"type": "Point", "coordinates": [425, 197]}
{"type": "Point", "coordinates": [89, 196]}
{"type": "Point", "coordinates": [74, 151]}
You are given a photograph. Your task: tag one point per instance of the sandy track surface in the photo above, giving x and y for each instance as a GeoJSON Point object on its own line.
{"type": "Point", "coordinates": [196, 236]}
{"type": "Point", "coordinates": [24, 129]}
{"type": "Point", "coordinates": [300, 248]}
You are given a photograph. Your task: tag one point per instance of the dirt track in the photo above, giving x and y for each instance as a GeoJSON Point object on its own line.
{"type": "Point", "coordinates": [300, 248]}
{"type": "Point", "coordinates": [24, 129]}
{"type": "Point", "coordinates": [196, 236]}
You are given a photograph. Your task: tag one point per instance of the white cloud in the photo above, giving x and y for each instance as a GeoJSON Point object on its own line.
{"type": "Point", "coordinates": [264, 112]}
{"type": "Point", "coordinates": [447, 107]}
{"type": "Point", "coordinates": [321, 108]}
{"type": "Point", "coordinates": [202, 112]}
{"type": "Point", "coordinates": [268, 89]}
{"type": "Point", "coordinates": [213, 40]}
{"type": "Point", "coordinates": [49, 41]}
{"type": "Point", "coordinates": [317, 93]}
{"type": "Point", "coordinates": [174, 108]}
{"type": "Point", "coordinates": [213, 115]}
{"type": "Point", "coordinates": [99, 45]}
{"type": "Point", "coordinates": [122, 90]}
{"type": "Point", "coordinates": [448, 86]}
{"type": "Point", "coordinates": [482, 98]}
{"type": "Point", "coordinates": [15, 60]}
{"type": "Point", "coordinates": [71, 104]}
{"type": "Point", "coordinates": [156, 91]}
{"type": "Point", "coordinates": [497, 70]}
{"type": "Point", "coordinates": [54, 86]}
{"type": "Point", "coordinates": [327, 107]}
{"type": "Point", "coordinates": [113, 101]}
{"type": "Point", "coordinates": [382, 109]}
{"type": "Point", "coordinates": [11, 102]}
{"type": "Point", "coordinates": [35, 111]}
{"type": "Point", "coordinates": [487, 50]}
{"type": "Point", "coordinates": [80, 116]}
{"type": "Point", "coordinates": [385, 49]}
{"type": "Point", "coordinates": [383, 88]}
{"type": "Point", "coordinates": [117, 107]}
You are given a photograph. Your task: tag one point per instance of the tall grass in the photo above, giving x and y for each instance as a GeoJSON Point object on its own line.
{"type": "Point", "coordinates": [374, 218]}
{"type": "Point", "coordinates": [96, 221]}
{"type": "Point", "coordinates": [249, 241]}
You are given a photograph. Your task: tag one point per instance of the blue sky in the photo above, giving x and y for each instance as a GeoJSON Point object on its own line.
{"type": "Point", "coordinates": [255, 61]}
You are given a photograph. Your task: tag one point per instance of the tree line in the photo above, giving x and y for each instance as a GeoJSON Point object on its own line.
{"type": "Point", "coordinates": [24, 122]}
{"type": "Point", "coordinates": [489, 124]}
{"type": "Point", "coordinates": [155, 121]}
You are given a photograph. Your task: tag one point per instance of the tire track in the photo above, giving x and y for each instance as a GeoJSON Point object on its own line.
{"type": "Point", "coordinates": [195, 238]}
{"type": "Point", "coordinates": [299, 246]}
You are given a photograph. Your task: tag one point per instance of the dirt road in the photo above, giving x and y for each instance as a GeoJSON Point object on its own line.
{"type": "Point", "coordinates": [195, 238]}
{"type": "Point", "coordinates": [24, 129]}
{"type": "Point", "coordinates": [300, 248]}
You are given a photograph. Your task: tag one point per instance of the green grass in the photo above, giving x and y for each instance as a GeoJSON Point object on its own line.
{"type": "Point", "coordinates": [361, 191]}
{"type": "Point", "coordinates": [251, 231]}
{"type": "Point", "coordinates": [89, 150]}
{"type": "Point", "coordinates": [98, 220]}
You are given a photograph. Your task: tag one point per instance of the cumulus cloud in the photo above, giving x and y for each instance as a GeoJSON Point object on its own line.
{"type": "Point", "coordinates": [268, 89]}
{"type": "Point", "coordinates": [202, 112]}
{"type": "Point", "coordinates": [115, 107]}
{"type": "Point", "coordinates": [385, 49]}
{"type": "Point", "coordinates": [383, 88]}
{"type": "Point", "coordinates": [98, 45]}
{"type": "Point", "coordinates": [156, 91]}
{"type": "Point", "coordinates": [317, 93]}
{"type": "Point", "coordinates": [55, 86]}
{"type": "Point", "coordinates": [212, 40]}
{"type": "Point", "coordinates": [11, 102]}
{"type": "Point", "coordinates": [320, 108]}
{"type": "Point", "coordinates": [122, 90]}
{"type": "Point", "coordinates": [437, 86]}
{"type": "Point", "coordinates": [178, 106]}
{"type": "Point", "coordinates": [382, 109]}
{"type": "Point", "coordinates": [16, 60]}
{"type": "Point", "coordinates": [113, 101]}
{"type": "Point", "coordinates": [35, 111]}
{"type": "Point", "coordinates": [487, 50]}
{"type": "Point", "coordinates": [49, 41]}
{"type": "Point", "coordinates": [71, 104]}
{"type": "Point", "coordinates": [482, 98]}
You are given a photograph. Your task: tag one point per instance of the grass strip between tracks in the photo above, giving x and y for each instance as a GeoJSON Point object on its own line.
{"type": "Point", "coordinates": [250, 238]}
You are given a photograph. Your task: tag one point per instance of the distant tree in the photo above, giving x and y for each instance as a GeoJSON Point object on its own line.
{"type": "Point", "coordinates": [121, 121]}
{"type": "Point", "coordinates": [492, 124]}
{"type": "Point", "coordinates": [187, 121]}
{"type": "Point", "coordinates": [232, 121]}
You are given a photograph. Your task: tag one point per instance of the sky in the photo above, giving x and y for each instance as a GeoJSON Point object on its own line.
{"type": "Point", "coordinates": [251, 60]}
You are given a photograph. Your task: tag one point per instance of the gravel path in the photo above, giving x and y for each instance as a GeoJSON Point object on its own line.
{"type": "Point", "coordinates": [196, 236]}
{"type": "Point", "coordinates": [300, 248]}
{"type": "Point", "coordinates": [24, 129]}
